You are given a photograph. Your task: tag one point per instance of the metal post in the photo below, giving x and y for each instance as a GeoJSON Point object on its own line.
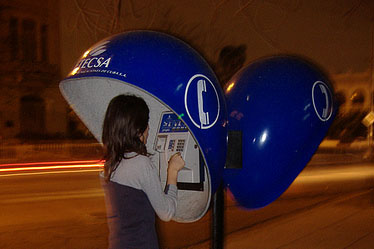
{"type": "Point", "coordinates": [370, 152]}
{"type": "Point", "coordinates": [218, 219]}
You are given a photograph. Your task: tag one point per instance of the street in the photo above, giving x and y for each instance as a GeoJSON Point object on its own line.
{"type": "Point", "coordinates": [64, 208]}
{"type": "Point", "coordinates": [344, 221]}
{"type": "Point", "coordinates": [52, 211]}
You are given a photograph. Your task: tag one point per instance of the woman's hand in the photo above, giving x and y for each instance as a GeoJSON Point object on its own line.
{"type": "Point", "coordinates": [175, 164]}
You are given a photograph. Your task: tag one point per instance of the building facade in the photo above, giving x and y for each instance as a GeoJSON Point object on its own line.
{"type": "Point", "coordinates": [30, 103]}
{"type": "Point", "coordinates": [354, 91]}
{"type": "Point", "coordinates": [31, 61]}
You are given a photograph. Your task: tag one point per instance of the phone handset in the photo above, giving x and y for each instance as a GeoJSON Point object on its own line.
{"type": "Point", "coordinates": [324, 92]}
{"type": "Point", "coordinates": [204, 116]}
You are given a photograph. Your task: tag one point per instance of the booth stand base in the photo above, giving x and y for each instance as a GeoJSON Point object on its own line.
{"type": "Point", "coordinates": [218, 219]}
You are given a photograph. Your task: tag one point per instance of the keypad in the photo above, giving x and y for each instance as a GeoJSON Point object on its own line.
{"type": "Point", "coordinates": [171, 145]}
{"type": "Point", "coordinates": [180, 145]}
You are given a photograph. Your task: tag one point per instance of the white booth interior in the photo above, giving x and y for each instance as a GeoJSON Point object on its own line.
{"type": "Point", "coordinates": [168, 134]}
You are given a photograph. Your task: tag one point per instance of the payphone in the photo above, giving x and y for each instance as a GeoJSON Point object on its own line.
{"type": "Point", "coordinates": [173, 137]}
{"type": "Point", "coordinates": [281, 108]}
{"type": "Point", "coordinates": [187, 107]}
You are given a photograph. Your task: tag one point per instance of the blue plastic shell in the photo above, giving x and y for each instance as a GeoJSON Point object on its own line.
{"type": "Point", "coordinates": [283, 106]}
{"type": "Point", "coordinates": [176, 75]}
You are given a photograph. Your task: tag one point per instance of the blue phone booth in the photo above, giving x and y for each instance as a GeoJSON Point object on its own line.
{"type": "Point", "coordinates": [279, 111]}
{"type": "Point", "coordinates": [187, 107]}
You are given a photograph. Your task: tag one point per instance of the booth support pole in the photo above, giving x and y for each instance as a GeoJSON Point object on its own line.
{"type": "Point", "coordinates": [218, 218]}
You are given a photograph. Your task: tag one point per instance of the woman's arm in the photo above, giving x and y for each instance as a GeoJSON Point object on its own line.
{"type": "Point", "coordinates": [175, 164]}
{"type": "Point", "coordinates": [164, 203]}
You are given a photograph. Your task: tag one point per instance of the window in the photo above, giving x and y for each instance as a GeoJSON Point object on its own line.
{"type": "Point", "coordinates": [32, 116]}
{"type": "Point", "coordinates": [358, 97]}
{"type": "Point", "coordinates": [29, 40]}
{"type": "Point", "coordinates": [44, 42]}
{"type": "Point", "coordinates": [13, 38]}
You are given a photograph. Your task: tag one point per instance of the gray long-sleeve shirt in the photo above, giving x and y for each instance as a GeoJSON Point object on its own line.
{"type": "Point", "coordinates": [138, 172]}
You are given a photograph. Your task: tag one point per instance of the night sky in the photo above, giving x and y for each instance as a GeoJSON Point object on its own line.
{"type": "Point", "coordinates": [335, 34]}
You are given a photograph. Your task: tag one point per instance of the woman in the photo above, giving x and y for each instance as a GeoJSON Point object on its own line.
{"type": "Point", "coordinates": [132, 185]}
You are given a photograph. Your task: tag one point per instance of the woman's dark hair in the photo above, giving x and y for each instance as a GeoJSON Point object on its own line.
{"type": "Point", "coordinates": [125, 121]}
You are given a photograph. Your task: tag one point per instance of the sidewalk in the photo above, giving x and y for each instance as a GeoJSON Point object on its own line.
{"type": "Point", "coordinates": [67, 150]}
{"type": "Point", "coordinates": [344, 222]}
{"type": "Point", "coordinates": [50, 151]}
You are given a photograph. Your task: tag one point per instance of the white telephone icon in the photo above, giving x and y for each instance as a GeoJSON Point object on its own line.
{"type": "Point", "coordinates": [204, 116]}
{"type": "Point", "coordinates": [325, 110]}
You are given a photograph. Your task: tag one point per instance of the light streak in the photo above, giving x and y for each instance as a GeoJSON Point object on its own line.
{"type": "Point", "coordinates": [51, 172]}
{"type": "Point", "coordinates": [50, 163]}
{"type": "Point", "coordinates": [53, 167]}
{"type": "Point", "coordinates": [77, 166]}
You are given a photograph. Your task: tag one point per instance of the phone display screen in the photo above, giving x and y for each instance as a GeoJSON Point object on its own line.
{"type": "Point", "coordinates": [171, 123]}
